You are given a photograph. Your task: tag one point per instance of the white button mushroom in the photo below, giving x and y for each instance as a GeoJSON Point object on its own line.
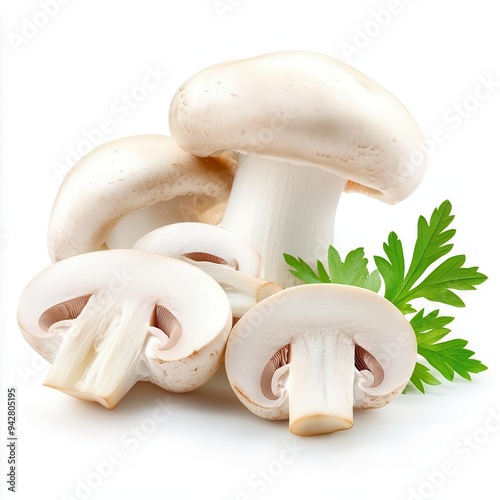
{"type": "Point", "coordinates": [224, 255]}
{"type": "Point", "coordinates": [305, 127]}
{"type": "Point", "coordinates": [108, 319]}
{"type": "Point", "coordinates": [125, 188]}
{"type": "Point", "coordinates": [311, 352]}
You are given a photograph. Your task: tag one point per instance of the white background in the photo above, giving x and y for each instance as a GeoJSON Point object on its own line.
{"type": "Point", "coordinates": [62, 78]}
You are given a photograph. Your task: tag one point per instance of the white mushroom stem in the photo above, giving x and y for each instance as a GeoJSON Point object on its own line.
{"type": "Point", "coordinates": [283, 207]}
{"type": "Point", "coordinates": [320, 384]}
{"type": "Point", "coordinates": [100, 352]}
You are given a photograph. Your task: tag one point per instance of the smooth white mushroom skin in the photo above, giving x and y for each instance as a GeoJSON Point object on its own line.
{"type": "Point", "coordinates": [108, 319]}
{"type": "Point", "coordinates": [345, 346]}
{"type": "Point", "coordinates": [308, 113]}
{"type": "Point", "coordinates": [224, 255]}
{"type": "Point", "coordinates": [125, 188]}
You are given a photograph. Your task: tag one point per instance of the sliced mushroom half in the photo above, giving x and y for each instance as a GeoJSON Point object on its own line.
{"type": "Point", "coordinates": [311, 353]}
{"type": "Point", "coordinates": [224, 255]}
{"type": "Point", "coordinates": [108, 319]}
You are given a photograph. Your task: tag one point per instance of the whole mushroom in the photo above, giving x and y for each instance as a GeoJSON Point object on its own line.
{"type": "Point", "coordinates": [128, 187]}
{"type": "Point", "coordinates": [106, 320]}
{"type": "Point", "coordinates": [305, 127]}
{"type": "Point", "coordinates": [311, 353]}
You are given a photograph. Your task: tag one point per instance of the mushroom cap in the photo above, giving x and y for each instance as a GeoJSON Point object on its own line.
{"type": "Point", "coordinates": [202, 242]}
{"type": "Point", "coordinates": [373, 323]}
{"type": "Point", "coordinates": [304, 107]}
{"type": "Point", "coordinates": [124, 176]}
{"type": "Point", "coordinates": [57, 295]}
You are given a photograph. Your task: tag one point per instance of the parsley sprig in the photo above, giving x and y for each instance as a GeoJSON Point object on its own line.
{"type": "Point", "coordinates": [404, 285]}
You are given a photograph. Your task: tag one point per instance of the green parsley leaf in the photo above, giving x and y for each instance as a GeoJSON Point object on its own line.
{"type": "Point", "coordinates": [448, 357]}
{"type": "Point", "coordinates": [431, 328]}
{"type": "Point", "coordinates": [451, 357]}
{"type": "Point", "coordinates": [421, 375]}
{"type": "Point", "coordinates": [449, 275]}
{"type": "Point", "coordinates": [392, 270]}
{"type": "Point", "coordinates": [303, 270]}
{"type": "Point", "coordinates": [432, 243]}
{"type": "Point", "coordinates": [353, 271]}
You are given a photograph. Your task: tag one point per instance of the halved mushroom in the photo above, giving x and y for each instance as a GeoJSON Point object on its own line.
{"type": "Point", "coordinates": [311, 352]}
{"type": "Point", "coordinates": [108, 319]}
{"type": "Point", "coordinates": [305, 127]}
{"type": "Point", "coordinates": [125, 188]}
{"type": "Point", "coordinates": [225, 256]}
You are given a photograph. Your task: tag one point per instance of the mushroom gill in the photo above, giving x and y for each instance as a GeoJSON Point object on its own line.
{"type": "Point", "coordinates": [168, 324]}
{"type": "Point", "coordinates": [215, 259]}
{"type": "Point", "coordinates": [69, 309]}
{"type": "Point", "coordinates": [363, 360]}
{"type": "Point", "coordinates": [278, 359]}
